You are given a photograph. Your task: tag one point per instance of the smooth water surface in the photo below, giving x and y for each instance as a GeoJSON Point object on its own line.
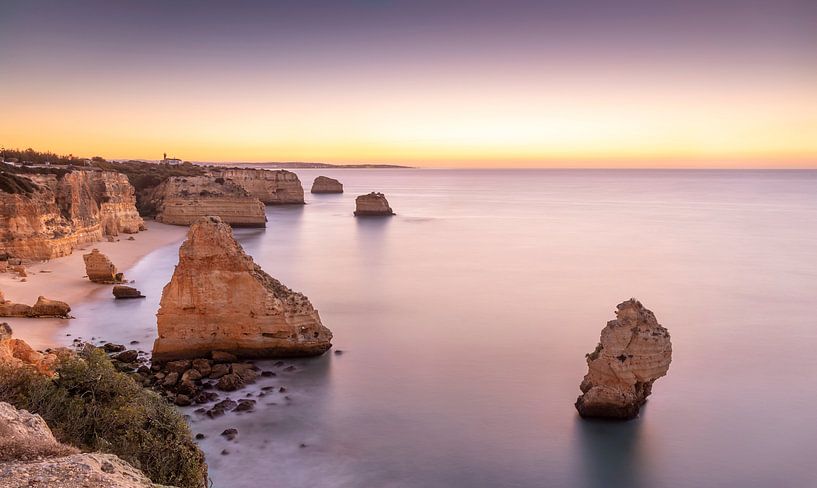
{"type": "Point", "coordinates": [464, 321]}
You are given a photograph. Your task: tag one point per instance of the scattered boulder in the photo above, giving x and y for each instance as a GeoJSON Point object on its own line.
{"type": "Point", "coordinates": [42, 309]}
{"type": "Point", "coordinates": [230, 382]}
{"type": "Point", "coordinates": [100, 269]}
{"type": "Point", "coordinates": [230, 434]}
{"type": "Point", "coordinates": [219, 300]}
{"type": "Point", "coordinates": [372, 204]}
{"type": "Point", "coordinates": [324, 184]}
{"type": "Point", "coordinates": [16, 353]}
{"type": "Point", "coordinates": [635, 350]}
{"type": "Point", "coordinates": [124, 292]}
{"type": "Point", "coordinates": [128, 356]}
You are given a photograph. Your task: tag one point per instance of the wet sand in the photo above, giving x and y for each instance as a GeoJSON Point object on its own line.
{"type": "Point", "coordinates": [63, 278]}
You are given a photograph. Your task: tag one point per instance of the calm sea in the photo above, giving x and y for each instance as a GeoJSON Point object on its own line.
{"type": "Point", "coordinates": [464, 322]}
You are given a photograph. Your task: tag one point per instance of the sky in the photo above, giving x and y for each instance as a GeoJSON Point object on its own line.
{"type": "Point", "coordinates": [582, 83]}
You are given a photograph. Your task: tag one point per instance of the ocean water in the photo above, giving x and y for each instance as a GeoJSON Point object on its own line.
{"type": "Point", "coordinates": [464, 321]}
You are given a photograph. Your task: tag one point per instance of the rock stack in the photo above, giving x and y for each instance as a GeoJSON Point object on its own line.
{"type": "Point", "coordinates": [220, 300]}
{"type": "Point", "coordinates": [324, 184]}
{"type": "Point", "coordinates": [634, 351]}
{"type": "Point", "coordinates": [372, 204]}
{"type": "Point", "coordinates": [100, 269]}
{"type": "Point", "coordinates": [123, 291]}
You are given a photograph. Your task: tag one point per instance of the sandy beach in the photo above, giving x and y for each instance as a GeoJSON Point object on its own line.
{"type": "Point", "coordinates": [63, 278]}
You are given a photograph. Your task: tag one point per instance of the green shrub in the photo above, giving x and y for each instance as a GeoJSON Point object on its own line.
{"type": "Point", "coordinates": [90, 405]}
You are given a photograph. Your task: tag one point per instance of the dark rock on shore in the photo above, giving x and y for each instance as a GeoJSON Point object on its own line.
{"type": "Point", "coordinates": [125, 292]}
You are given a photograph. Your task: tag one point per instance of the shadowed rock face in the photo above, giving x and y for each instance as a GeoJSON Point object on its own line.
{"type": "Point", "coordinates": [324, 184]}
{"type": "Point", "coordinates": [220, 300]}
{"type": "Point", "coordinates": [635, 350]}
{"type": "Point", "coordinates": [372, 204]}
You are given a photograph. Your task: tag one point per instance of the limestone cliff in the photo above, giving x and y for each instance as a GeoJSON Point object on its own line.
{"type": "Point", "coordinates": [183, 200]}
{"type": "Point", "coordinates": [51, 214]}
{"type": "Point", "coordinates": [635, 350]}
{"type": "Point", "coordinates": [31, 456]}
{"type": "Point", "coordinates": [271, 187]}
{"type": "Point", "coordinates": [44, 308]}
{"type": "Point", "coordinates": [324, 184]}
{"type": "Point", "coordinates": [220, 300]}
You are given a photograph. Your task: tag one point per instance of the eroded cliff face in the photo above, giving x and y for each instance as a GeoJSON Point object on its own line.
{"type": "Point", "coordinates": [184, 200]}
{"type": "Point", "coordinates": [271, 187]}
{"type": "Point", "coordinates": [634, 351]}
{"type": "Point", "coordinates": [62, 212]}
{"type": "Point", "coordinates": [220, 300]}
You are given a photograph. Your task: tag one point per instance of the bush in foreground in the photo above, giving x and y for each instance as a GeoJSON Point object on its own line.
{"type": "Point", "coordinates": [90, 405]}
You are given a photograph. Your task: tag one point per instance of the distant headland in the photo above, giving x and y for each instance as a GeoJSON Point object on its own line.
{"type": "Point", "coordinates": [304, 165]}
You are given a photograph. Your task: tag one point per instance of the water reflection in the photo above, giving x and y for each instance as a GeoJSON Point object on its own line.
{"type": "Point", "coordinates": [611, 453]}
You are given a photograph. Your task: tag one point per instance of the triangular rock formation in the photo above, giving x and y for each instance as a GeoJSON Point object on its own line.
{"type": "Point", "coordinates": [220, 300]}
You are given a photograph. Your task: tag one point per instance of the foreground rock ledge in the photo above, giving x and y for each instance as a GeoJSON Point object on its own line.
{"type": "Point", "coordinates": [372, 204]}
{"type": "Point", "coordinates": [635, 350]}
{"type": "Point", "coordinates": [31, 456]}
{"type": "Point", "coordinates": [220, 300]}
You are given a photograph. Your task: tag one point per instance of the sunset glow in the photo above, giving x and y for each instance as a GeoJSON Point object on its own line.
{"type": "Point", "coordinates": [513, 84]}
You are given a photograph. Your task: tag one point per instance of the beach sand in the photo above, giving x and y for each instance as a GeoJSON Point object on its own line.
{"type": "Point", "coordinates": [63, 278]}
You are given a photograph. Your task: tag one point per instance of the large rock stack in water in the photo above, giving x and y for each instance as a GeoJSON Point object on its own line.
{"type": "Point", "coordinates": [372, 205]}
{"type": "Point", "coordinates": [220, 300]}
{"type": "Point", "coordinates": [635, 350]}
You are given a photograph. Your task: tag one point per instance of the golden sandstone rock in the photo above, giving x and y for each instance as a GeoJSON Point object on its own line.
{"type": "Point", "coordinates": [220, 300]}
{"type": "Point", "coordinates": [183, 200]}
{"type": "Point", "coordinates": [15, 353]}
{"type": "Point", "coordinates": [43, 216]}
{"type": "Point", "coordinates": [272, 187]}
{"type": "Point", "coordinates": [372, 204]}
{"type": "Point", "coordinates": [42, 309]}
{"type": "Point", "coordinates": [100, 269]}
{"type": "Point", "coordinates": [635, 350]}
{"type": "Point", "coordinates": [324, 184]}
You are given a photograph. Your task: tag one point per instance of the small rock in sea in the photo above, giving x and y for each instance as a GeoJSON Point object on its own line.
{"type": "Point", "coordinates": [282, 389]}
{"type": "Point", "coordinates": [248, 394]}
{"type": "Point", "coordinates": [278, 364]}
{"type": "Point", "coordinates": [131, 238]}
{"type": "Point", "coordinates": [183, 400]}
{"type": "Point", "coordinates": [134, 342]}
{"type": "Point", "coordinates": [244, 406]}
{"type": "Point", "coordinates": [128, 356]}
{"type": "Point", "coordinates": [200, 436]}
{"type": "Point", "coordinates": [225, 452]}
{"type": "Point", "coordinates": [200, 411]}
{"type": "Point", "coordinates": [289, 368]}
{"type": "Point", "coordinates": [230, 433]}
{"type": "Point", "coordinates": [267, 388]}
{"type": "Point", "coordinates": [230, 382]}
{"type": "Point", "coordinates": [219, 370]}
{"type": "Point", "coordinates": [267, 374]}
{"type": "Point", "coordinates": [338, 352]}
{"type": "Point", "coordinates": [302, 446]}
{"type": "Point", "coordinates": [109, 348]}
{"type": "Point", "coordinates": [123, 292]}
{"type": "Point", "coordinates": [67, 335]}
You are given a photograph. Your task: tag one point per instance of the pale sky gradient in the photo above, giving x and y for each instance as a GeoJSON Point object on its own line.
{"type": "Point", "coordinates": [721, 83]}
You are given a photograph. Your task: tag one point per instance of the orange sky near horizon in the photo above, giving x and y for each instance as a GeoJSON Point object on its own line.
{"type": "Point", "coordinates": [495, 88]}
